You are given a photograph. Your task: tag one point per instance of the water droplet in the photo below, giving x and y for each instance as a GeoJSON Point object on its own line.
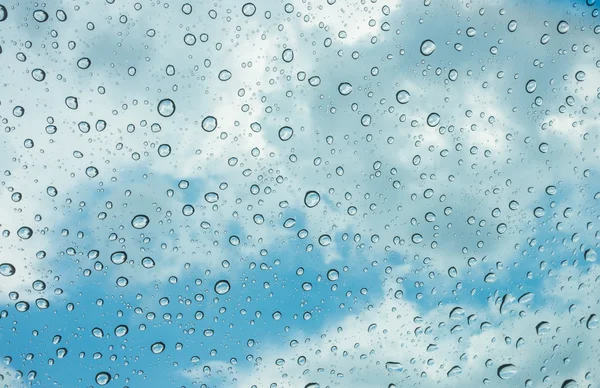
{"type": "Point", "coordinates": [140, 221]}
{"type": "Point", "coordinates": [562, 27]}
{"type": "Point", "coordinates": [324, 240]}
{"type": "Point", "coordinates": [433, 119]}
{"type": "Point", "coordinates": [569, 384]}
{"type": "Point", "coordinates": [592, 322]}
{"type": "Point", "coordinates": [427, 47]}
{"type": "Point", "coordinates": [248, 9]}
{"type": "Point", "coordinates": [455, 371]}
{"type": "Point", "coordinates": [526, 298]}
{"type": "Point", "coordinates": [539, 212]}
{"type": "Point", "coordinates": [118, 257]}
{"type": "Point", "coordinates": [71, 102]}
{"type": "Point", "coordinates": [148, 262]}
{"type": "Point", "coordinates": [7, 269]}
{"type": "Point", "coordinates": [211, 197]}
{"type": "Point", "coordinates": [188, 210]}
{"type": "Point", "coordinates": [222, 287]}
{"type": "Point", "coordinates": [84, 63]}
{"type": "Point", "coordinates": [91, 171]}
{"type": "Point", "coordinates": [121, 330]}
{"type": "Point", "coordinates": [314, 81]}
{"type": "Point", "coordinates": [103, 378]}
{"type": "Point", "coordinates": [164, 150]}
{"type": "Point", "coordinates": [580, 76]}
{"type": "Point", "coordinates": [590, 255]}
{"type": "Point", "coordinates": [403, 97]}
{"type": "Point", "coordinates": [285, 133]}
{"type": "Point", "coordinates": [224, 75]}
{"type": "Point", "coordinates": [512, 26]}
{"type": "Point", "coordinates": [507, 371]}
{"type": "Point", "coordinates": [312, 198]}
{"type": "Point", "coordinates": [166, 107]}
{"type": "Point", "coordinates": [38, 74]}
{"type": "Point", "coordinates": [392, 366]}
{"type": "Point", "coordinates": [157, 347]}
{"type": "Point", "coordinates": [333, 275]}
{"type": "Point", "coordinates": [345, 88]}
{"type": "Point", "coordinates": [542, 328]}
{"type": "Point", "coordinates": [3, 13]}
{"type": "Point", "coordinates": [287, 55]}
{"type": "Point", "coordinates": [40, 15]}
{"type": "Point", "coordinates": [530, 86]}
{"type": "Point", "coordinates": [25, 232]}
{"type": "Point", "coordinates": [209, 123]}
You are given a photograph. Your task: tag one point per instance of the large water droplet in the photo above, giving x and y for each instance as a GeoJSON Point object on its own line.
{"type": "Point", "coordinates": [312, 198]}
{"type": "Point", "coordinates": [118, 257]}
{"type": "Point", "coordinates": [25, 232]}
{"type": "Point", "coordinates": [403, 97]}
{"type": "Point", "coordinates": [427, 47]}
{"type": "Point", "coordinates": [209, 123]}
{"type": "Point", "coordinates": [345, 88]}
{"type": "Point", "coordinates": [222, 287]}
{"type": "Point", "coordinates": [285, 133]}
{"type": "Point", "coordinates": [7, 269]}
{"type": "Point", "coordinates": [507, 371]}
{"type": "Point", "coordinates": [140, 221]}
{"type": "Point", "coordinates": [562, 27]}
{"type": "Point", "coordinates": [103, 378]}
{"type": "Point", "coordinates": [166, 107]}
{"type": "Point", "coordinates": [157, 347]}
{"type": "Point", "coordinates": [392, 366]}
{"type": "Point", "coordinates": [248, 9]}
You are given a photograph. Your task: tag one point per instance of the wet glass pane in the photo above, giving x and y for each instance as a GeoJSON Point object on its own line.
{"type": "Point", "coordinates": [327, 193]}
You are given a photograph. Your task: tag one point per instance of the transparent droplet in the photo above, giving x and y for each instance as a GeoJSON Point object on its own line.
{"type": "Point", "coordinates": [455, 371]}
{"type": "Point", "coordinates": [427, 47]}
{"type": "Point", "coordinates": [222, 287]}
{"type": "Point", "coordinates": [71, 102]}
{"type": "Point", "coordinates": [25, 232]}
{"type": "Point", "coordinates": [590, 255]}
{"type": "Point", "coordinates": [512, 26]}
{"type": "Point", "coordinates": [103, 378]}
{"type": "Point", "coordinates": [312, 198]}
{"type": "Point", "coordinates": [118, 257]}
{"type": "Point", "coordinates": [157, 347]}
{"type": "Point", "coordinates": [530, 86]}
{"type": "Point", "coordinates": [345, 88]}
{"type": "Point", "coordinates": [166, 107]}
{"type": "Point", "coordinates": [164, 150]}
{"type": "Point", "coordinates": [394, 366]}
{"type": "Point", "coordinates": [542, 328]}
{"type": "Point", "coordinates": [224, 75]}
{"type": "Point", "coordinates": [285, 133]}
{"type": "Point", "coordinates": [562, 27]}
{"type": "Point", "coordinates": [84, 63]}
{"type": "Point", "coordinates": [91, 171]}
{"type": "Point", "coordinates": [433, 119]}
{"type": "Point", "coordinates": [248, 9]}
{"type": "Point", "coordinates": [121, 330]}
{"type": "Point", "coordinates": [507, 371]}
{"type": "Point", "coordinates": [7, 269]}
{"type": "Point", "coordinates": [209, 123]}
{"type": "Point", "coordinates": [40, 15]}
{"type": "Point", "coordinates": [287, 55]}
{"type": "Point", "coordinates": [38, 74]}
{"type": "Point", "coordinates": [403, 97]}
{"type": "Point", "coordinates": [140, 221]}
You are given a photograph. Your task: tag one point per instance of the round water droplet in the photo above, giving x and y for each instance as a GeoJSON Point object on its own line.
{"type": "Point", "coordinates": [91, 171]}
{"type": "Point", "coordinates": [539, 212]}
{"type": "Point", "coordinates": [433, 119]}
{"type": "Point", "coordinates": [324, 240]}
{"type": "Point", "coordinates": [285, 133]}
{"type": "Point", "coordinates": [580, 76]}
{"type": "Point", "coordinates": [166, 107]}
{"type": "Point", "coordinates": [25, 232]}
{"type": "Point", "coordinates": [403, 97]}
{"type": "Point", "coordinates": [333, 275]}
{"type": "Point", "coordinates": [345, 88]}
{"type": "Point", "coordinates": [148, 262]}
{"type": "Point", "coordinates": [164, 150]}
{"type": "Point", "coordinates": [222, 287]}
{"type": "Point", "coordinates": [103, 378]}
{"type": "Point", "coordinates": [590, 255]}
{"type": "Point", "coordinates": [84, 63]}
{"type": "Point", "coordinates": [287, 55]}
{"type": "Point", "coordinates": [562, 27]}
{"type": "Point", "coordinates": [40, 15]}
{"type": "Point", "coordinates": [209, 123]}
{"type": "Point", "coordinates": [118, 257]}
{"type": "Point", "coordinates": [512, 26]}
{"type": "Point", "coordinates": [140, 221]}
{"type": "Point", "coordinates": [314, 81]}
{"type": "Point", "coordinates": [38, 74]}
{"type": "Point", "coordinates": [224, 75]}
{"type": "Point", "coordinates": [312, 198]}
{"type": "Point", "coordinates": [71, 102]}
{"type": "Point", "coordinates": [530, 86]}
{"type": "Point", "coordinates": [248, 9]}
{"type": "Point", "coordinates": [427, 47]}
{"type": "Point", "coordinates": [507, 371]}
{"type": "Point", "coordinates": [365, 120]}
{"type": "Point", "coordinates": [121, 330]}
{"type": "Point", "coordinates": [22, 306]}
{"type": "Point", "coordinates": [157, 347]}
{"type": "Point", "coordinates": [570, 383]}
{"type": "Point", "coordinates": [7, 269]}
{"type": "Point", "coordinates": [188, 210]}
{"type": "Point", "coordinates": [211, 197]}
